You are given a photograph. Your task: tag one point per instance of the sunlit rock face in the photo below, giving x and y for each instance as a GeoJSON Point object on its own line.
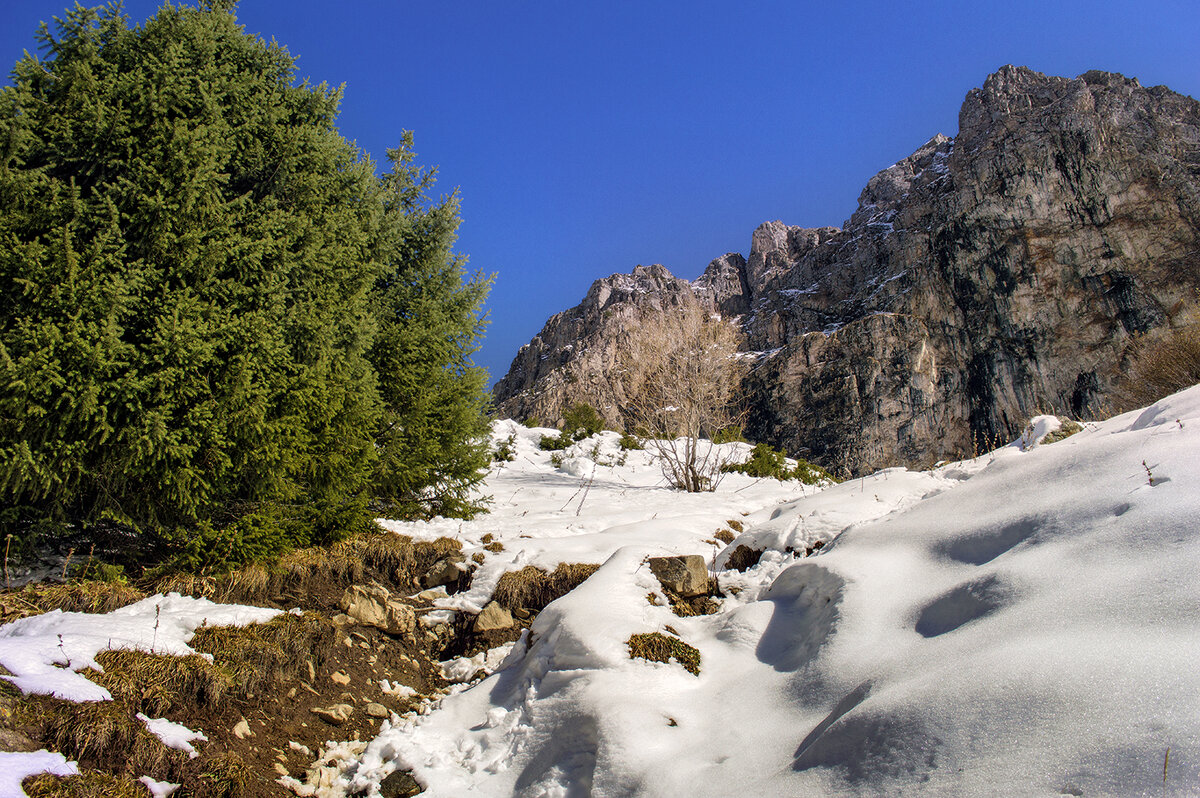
{"type": "Point", "coordinates": [982, 280]}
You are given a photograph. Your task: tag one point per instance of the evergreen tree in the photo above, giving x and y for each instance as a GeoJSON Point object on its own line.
{"type": "Point", "coordinates": [433, 443]}
{"type": "Point", "coordinates": [211, 309]}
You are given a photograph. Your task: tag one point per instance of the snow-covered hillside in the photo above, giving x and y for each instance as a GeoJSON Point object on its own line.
{"type": "Point", "coordinates": [1027, 623]}
{"type": "Point", "coordinates": [1024, 623]}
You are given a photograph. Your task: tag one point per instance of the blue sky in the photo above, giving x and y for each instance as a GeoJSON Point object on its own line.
{"type": "Point", "coordinates": [587, 137]}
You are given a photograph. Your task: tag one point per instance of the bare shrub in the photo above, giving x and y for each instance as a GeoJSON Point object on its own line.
{"type": "Point", "coordinates": [681, 376]}
{"type": "Point", "coordinates": [1160, 366]}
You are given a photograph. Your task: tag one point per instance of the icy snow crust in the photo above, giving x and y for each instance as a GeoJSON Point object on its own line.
{"type": "Point", "coordinates": [1022, 623]}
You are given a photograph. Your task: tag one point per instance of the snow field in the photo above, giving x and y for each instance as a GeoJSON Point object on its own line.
{"type": "Point", "coordinates": [1022, 623]}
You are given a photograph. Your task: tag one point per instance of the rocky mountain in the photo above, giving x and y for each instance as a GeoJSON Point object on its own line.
{"type": "Point", "coordinates": [983, 279]}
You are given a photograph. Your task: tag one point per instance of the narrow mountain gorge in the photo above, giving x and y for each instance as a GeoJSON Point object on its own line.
{"type": "Point", "coordinates": [984, 279]}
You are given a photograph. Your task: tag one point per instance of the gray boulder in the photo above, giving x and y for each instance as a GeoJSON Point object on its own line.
{"type": "Point", "coordinates": [685, 575]}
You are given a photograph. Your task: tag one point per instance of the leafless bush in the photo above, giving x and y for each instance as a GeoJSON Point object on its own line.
{"type": "Point", "coordinates": [681, 375]}
{"type": "Point", "coordinates": [1160, 367]}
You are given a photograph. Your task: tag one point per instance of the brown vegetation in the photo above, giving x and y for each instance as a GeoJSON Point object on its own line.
{"type": "Point", "coordinates": [658, 647]}
{"type": "Point", "coordinates": [532, 589]}
{"type": "Point", "coordinates": [1160, 366]}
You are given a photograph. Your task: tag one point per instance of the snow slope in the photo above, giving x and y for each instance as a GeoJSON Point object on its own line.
{"type": "Point", "coordinates": [1026, 623]}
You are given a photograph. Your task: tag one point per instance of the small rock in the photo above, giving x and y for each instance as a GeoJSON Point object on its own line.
{"type": "Point", "coordinates": [291, 693]}
{"type": "Point", "coordinates": [685, 575]}
{"type": "Point", "coordinates": [312, 671]}
{"type": "Point", "coordinates": [281, 770]}
{"type": "Point", "coordinates": [377, 710]}
{"type": "Point", "coordinates": [338, 677]}
{"type": "Point", "coordinates": [493, 618]}
{"type": "Point", "coordinates": [335, 715]}
{"type": "Point", "coordinates": [373, 605]}
{"type": "Point", "coordinates": [242, 730]}
{"type": "Point", "coordinates": [365, 603]}
{"type": "Point", "coordinates": [444, 572]}
{"type": "Point", "coordinates": [342, 619]}
{"type": "Point", "coordinates": [399, 784]}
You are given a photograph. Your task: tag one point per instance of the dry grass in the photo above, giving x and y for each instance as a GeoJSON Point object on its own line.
{"type": "Point", "coordinates": [223, 776]}
{"type": "Point", "coordinates": [102, 734]}
{"type": "Point", "coordinates": [261, 655]}
{"type": "Point", "coordinates": [691, 607]}
{"type": "Point", "coordinates": [88, 784]}
{"type": "Point", "coordinates": [658, 647]}
{"type": "Point", "coordinates": [245, 661]}
{"type": "Point", "coordinates": [724, 535]}
{"type": "Point", "coordinates": [428, 552]}
{"type": "Point", "coordinates": [532, 588]}
{"type": "Point", "coordinates": [736, 526]}
{"type": "Point", "coordinates": [86, 596]}
{"type": "Point", "coordinates": [1160, 366]}
{"type": "Point", "coordinates": [400, 559]}
{"type": "Point", "coordinates": [158, 683]}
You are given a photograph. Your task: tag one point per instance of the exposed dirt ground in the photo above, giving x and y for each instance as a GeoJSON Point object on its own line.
{"type": "Point", "coordinates": [271, 679]}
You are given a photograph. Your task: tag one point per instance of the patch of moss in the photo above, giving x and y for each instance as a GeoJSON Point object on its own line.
{"type": "Point", "coordinates": [1067, 429]}
{"type": "Point", "coordinates": [658, 647]}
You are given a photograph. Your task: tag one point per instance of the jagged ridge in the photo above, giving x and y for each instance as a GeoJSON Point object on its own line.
{"type": "Point", "coordinates": [981, 280]}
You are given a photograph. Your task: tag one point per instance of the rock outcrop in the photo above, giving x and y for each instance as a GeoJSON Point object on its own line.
{"type": "Point", "coordinates": [983, 279]}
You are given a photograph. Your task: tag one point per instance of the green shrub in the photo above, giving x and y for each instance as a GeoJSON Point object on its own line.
{"type": "Point", "coordinates": [581, 421]}
{"type": "Point", "coordinates": [630, 442]}
{"type": "Point", "coordinates": [506, 451]}
{"type": "Point", "coordinates": [729, 435]}
{"type": "Point", "coordinates": [811, 474]}
{"type": "Point", "coordinates": [532, 422]}
{"type": "Point", "coordinates": [552, 443]}
{"type": "Point", "coordinates": [766, 462]}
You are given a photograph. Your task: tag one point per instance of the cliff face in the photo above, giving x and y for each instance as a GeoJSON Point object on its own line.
{"type": "Point", "coordinates": [981, 280]}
